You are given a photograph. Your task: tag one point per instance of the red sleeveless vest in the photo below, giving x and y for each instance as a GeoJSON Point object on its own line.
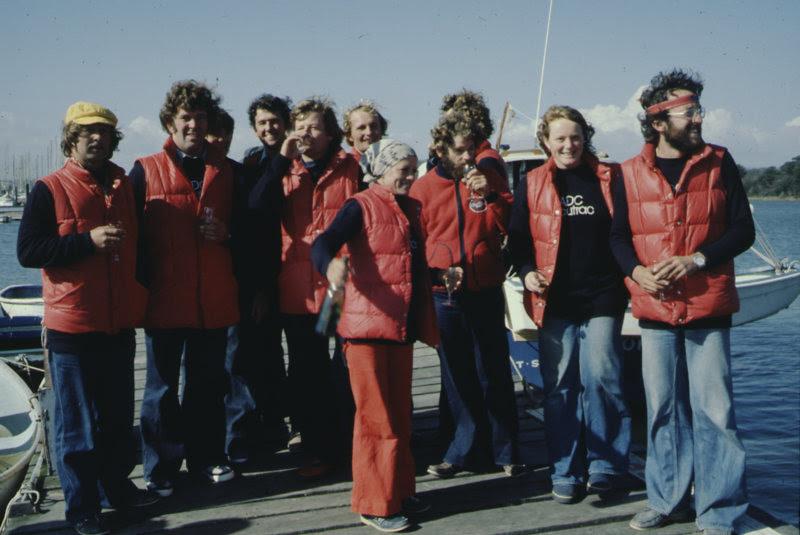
{"type": "Point", "coordinates": [378, 292]}
{"type": "Point", "coordinates": [544, 206]}
{"type": "Point", "coordinates": [308, 209]}
{"type": "Point", "coordinates": [665, 224]}
{"type": "Point", "coordinates": [191, 279]}
{"type": "Point", "coordinates": [100, 292]}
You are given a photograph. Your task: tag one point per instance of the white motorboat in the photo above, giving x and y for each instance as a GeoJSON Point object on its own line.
{"type": "Point", "coordinates": [20, 431]}
{"type": "Point", "coordinates": [23, 300]}
{"type": "Point", "coordinates": [763, 291]}
{"type": "Point", "coordinates": [7, 201]}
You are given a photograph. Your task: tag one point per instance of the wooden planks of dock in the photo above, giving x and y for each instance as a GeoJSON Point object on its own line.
{"type": "Point", "coordinates": [271, 499]}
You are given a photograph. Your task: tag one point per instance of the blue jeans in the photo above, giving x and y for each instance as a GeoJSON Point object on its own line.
{"type": "Point", "coordinates": [195, 426]}
{"type": "Point", "coordinates": [254, 405]}
{"type": "Point", "coordinates": [95, 447]}
{"type": "Point", "coordinates": [587, 423]}
{"type": "Point", "coordinates": [691, 428]}
{"type": "Point", "coordinates": [473, 355]}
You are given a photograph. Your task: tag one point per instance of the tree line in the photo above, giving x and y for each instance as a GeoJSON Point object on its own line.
{"type": "Point", "coordinates": [783, 181]}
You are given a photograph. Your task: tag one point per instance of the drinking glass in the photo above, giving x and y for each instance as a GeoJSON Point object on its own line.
{"type": "Point", "coordinates": [452, 277]}
{"type": "Point", "coordinates": [477, 202]}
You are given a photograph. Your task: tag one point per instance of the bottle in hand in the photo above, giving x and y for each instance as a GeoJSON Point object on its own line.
{"type": "Point", "coordinates": [331, 309]}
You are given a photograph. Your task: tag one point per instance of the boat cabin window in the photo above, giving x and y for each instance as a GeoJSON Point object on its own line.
{"type": "Point", "coordinates": [517, 170]}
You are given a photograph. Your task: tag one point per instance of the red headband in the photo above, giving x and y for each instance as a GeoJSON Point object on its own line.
{"type": "Point", "coordinates": [655, 109]}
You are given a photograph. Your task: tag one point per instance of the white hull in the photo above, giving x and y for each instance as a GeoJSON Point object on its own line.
{"type": "Point", "coordinates": [20, 430]}
{"type": "Point", "coordinates": [15, 308]}
{"type": "Point", "coordinates": [24, 300]}
{"type": "Point", "coordinates": [761, 294]}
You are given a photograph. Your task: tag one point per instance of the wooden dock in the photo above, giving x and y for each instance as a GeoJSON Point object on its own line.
{"type": "Point", "coordinates": [271, 499]}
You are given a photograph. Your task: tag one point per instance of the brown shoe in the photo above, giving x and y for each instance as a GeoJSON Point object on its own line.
{"type": "Point", "coordinates": [314, 469]}
{"type": "Point", "coordinates": [444, 470]}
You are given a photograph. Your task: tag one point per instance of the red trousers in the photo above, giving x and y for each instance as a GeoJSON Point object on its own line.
{"type": "Point", "coordinates": [383, 467]}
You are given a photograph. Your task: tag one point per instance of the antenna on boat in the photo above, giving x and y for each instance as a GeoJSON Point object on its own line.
{"type": "Point", "coordinates": [541, 74]}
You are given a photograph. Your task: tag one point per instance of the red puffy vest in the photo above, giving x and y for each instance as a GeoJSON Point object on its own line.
{"type": "Point", "coordinates": [191, 279]}
{"type": "Point", "coordinates": [308, 209]}
{"type": "Point", "coordinates": [98, 293]}
{"type": "Point", "coordinates": [544, 206]}
{"type": "Point", "coordinates": [378, 292]}
{"type": "Point", "coordinates": [458, 236]}
{"type": "Point", "coordinates": [664, 224]}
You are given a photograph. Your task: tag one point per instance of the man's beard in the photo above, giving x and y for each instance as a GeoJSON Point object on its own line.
{"type": "Point", "coordinates": [451, 169]}
{"type": "Point", "coordinates": [682, 140]}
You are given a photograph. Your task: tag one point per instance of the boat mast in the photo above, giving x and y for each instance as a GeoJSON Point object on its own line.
{"type": "Point", "coordinates": [541, 74]}
{"type": "Point", "coordinates": [502, 125]}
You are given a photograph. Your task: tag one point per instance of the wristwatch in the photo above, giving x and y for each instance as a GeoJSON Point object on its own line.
{"type": "Point", "coordinates": [699, 260]}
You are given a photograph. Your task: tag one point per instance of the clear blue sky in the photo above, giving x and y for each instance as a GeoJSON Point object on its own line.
{"type": "Point", "coordinates": [404, 55]}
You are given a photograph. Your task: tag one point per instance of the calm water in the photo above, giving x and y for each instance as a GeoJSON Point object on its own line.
{"type": "Point", "coordinates": [766, 370]}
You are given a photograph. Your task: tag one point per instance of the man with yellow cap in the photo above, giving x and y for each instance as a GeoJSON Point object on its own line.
{"type": "Point", "coordinates": [80, 227]}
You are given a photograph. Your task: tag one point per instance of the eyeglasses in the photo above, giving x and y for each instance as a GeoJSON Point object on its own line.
{"type": "Point", "coordinates": [690, 113]}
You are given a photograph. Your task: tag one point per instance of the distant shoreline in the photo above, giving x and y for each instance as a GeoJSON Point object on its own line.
{"type": "Point", "coordinates": [772, 198]}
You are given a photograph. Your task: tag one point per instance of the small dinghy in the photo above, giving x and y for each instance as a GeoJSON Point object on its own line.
{"type": "Point", "coordinates": [20, 431]}
{"type": "Point", "coordinates": [22, 300]}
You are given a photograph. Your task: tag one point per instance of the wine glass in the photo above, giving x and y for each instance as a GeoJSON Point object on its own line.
{"type": "Point", "coordinates": [477, 202]}
{"type": "Point", "coordinates": [452, 277]}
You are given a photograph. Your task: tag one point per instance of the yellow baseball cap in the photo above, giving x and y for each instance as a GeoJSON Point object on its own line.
{"type": "Point", "coordinates": [89, 113]}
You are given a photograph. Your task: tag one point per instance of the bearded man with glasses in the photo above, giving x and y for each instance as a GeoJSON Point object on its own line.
{"type": "Point", "coordinates": [681, 216]}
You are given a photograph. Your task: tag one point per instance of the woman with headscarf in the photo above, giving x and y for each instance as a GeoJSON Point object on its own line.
{"type": "Point", "coordinates": [387, 306]}
{"type": "Point", "coordinates": [559, 233]}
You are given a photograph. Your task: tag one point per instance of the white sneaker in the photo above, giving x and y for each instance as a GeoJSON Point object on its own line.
{"type": "Point", "coordinates": [218, 473]}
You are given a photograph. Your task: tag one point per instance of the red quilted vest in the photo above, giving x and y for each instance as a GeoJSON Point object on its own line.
{"type": "Point", "coordinates": [665, 224]}
{"type": "Point", "coordinates": [308, 209]}
{"type": "Point", "coordinates": [98, 293]}
{"type": "Point", "coordinates": [544, 207]}
{"type": "Point", "coordinates": [378, 292]}
{"type": "Point", "coordinates": [191, 279]}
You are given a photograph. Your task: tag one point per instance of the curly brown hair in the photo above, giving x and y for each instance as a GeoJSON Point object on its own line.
{"type": "Point", "coordinates": [366, 106]}
{"type": "Point", "coordinates": [190, 95]}
{"type": "Point", "coordinates": [72, 131]}
{"type": "Point", "coordinates": [474, 106]}
{"type": "Point", "coordinates": [325, 107]}
{"type": "Point", "coordinates": [571, 114]}
{"type": "Point", "coordinates": [450, 126]}
{"type": "Point", "coordinates": [661, 87]}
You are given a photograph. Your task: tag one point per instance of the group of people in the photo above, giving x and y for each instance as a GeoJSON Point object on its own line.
{"type": "Point", "coordinates": [217, 260]}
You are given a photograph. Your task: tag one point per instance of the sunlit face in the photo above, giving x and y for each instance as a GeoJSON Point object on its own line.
{"type": "Point", "coordinates": [93, 148]}
{"type": "Point", "coordinates": [682, 133]}
{"type": "Point", "coordinates": [314, 136]}
{"type": "Point", "coordinates": [365, 129]}
{"type": "Point", "coordinates": [269, 128]}
{"type": "Point", "coordinates": [188, 130]}
{"type": "Point", "coordinates": [458, 156]}
{"type": "Point", "coordinates": [400, 176]}
{"type": "Point", "coordinates": [222, 141]}
{"type": "Point", "coordinates": [565, 143]}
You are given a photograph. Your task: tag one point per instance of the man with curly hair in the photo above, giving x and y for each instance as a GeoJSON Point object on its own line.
{"type": "Point", "coordinates": [363, 126]}
{"type": "Point", "coordinates": [465, 213]}
{"type": "Point", "coordinates": [681, 216]}
{"type": "Point", "coordinates": [256, 403]}
{"type": "Point", "coordinates": [80, 228]}
{"type": "Point", "coordinates": [186, 196]}
{"type": "Point", "coordinates": [316, 176]}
